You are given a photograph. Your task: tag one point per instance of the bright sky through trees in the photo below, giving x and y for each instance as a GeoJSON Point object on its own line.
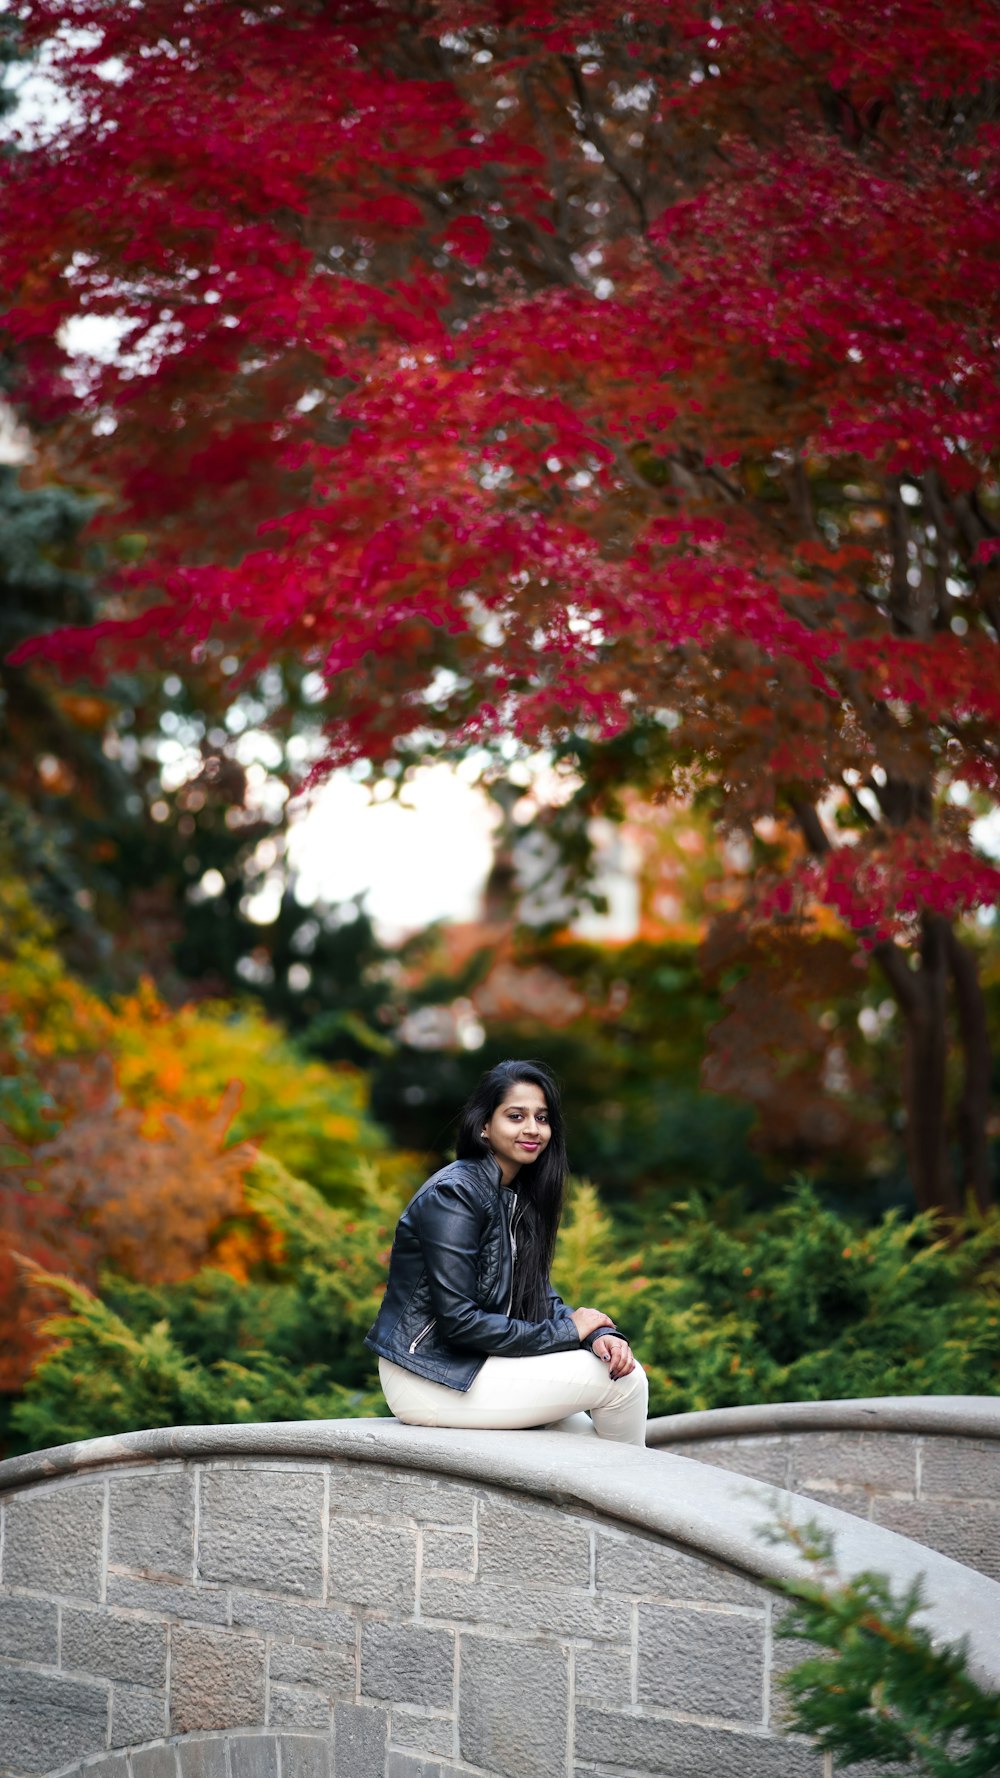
{"type": "Point", "coordinates": [424, 860]}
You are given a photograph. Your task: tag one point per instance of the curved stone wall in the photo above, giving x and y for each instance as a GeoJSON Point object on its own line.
{"type": "Point", "coordinates": [362, 1600]}
{"type": "Point", "coordinates": [261, 1755]}
{"type": "Point", "coordinates": [927, 1467]}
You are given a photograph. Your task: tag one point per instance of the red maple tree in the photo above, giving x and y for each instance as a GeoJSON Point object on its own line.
{"type": "Point", "coordinates": [564, 370]}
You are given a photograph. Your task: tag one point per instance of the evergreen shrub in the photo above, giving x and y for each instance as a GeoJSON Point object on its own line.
{"type": "Point", "coordinates": [792, 1304]}
{"type": "Point", "coordinates": [875, 1687]}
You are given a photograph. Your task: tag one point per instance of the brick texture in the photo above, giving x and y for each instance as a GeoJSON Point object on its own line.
{"type": "Point", "coordinates": [54, 1541]}
{"type": "Point", "coordinates": [216, 1680]}
{"type": "Point", "coordinates": [262, 1528]}
{"type": "Point", "coordinates": [443, 1629]}
{"type": "Point", "coordinates": [151, 1523]}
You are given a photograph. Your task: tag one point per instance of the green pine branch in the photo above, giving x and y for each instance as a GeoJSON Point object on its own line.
{"type": "Point", "coordinates": [878, 1687]}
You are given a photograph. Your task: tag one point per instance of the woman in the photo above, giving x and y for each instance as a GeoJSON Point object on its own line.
{"type": "Point", "coordinates": [470, 1332]}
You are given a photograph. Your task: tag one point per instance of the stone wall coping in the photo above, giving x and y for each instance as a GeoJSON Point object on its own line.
{"type": "Point", "coordinates": [957, 1416]}
{"type": "Point", "coordinates": [709, 1511]}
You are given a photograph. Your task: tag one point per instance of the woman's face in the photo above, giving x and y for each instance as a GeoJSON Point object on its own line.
{"type": "Point", "coordinates": [519, 1128]}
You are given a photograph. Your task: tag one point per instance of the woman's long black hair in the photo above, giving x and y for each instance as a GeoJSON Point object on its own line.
{"type": "Point", "coordinates": [540, 1186]}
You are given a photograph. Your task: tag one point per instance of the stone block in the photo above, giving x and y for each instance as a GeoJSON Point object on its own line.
{"type": "Point", "coordinates": [125, 1648]}
{"type": "Point", "coordinates": [789, 1651]}
{"type": "Point", "coordinates": [881, 1463]}
{"type": "Point", "coordinates": [431, 1737]}
{"type": "Point", "coordinates": [253, 1756]}
{"type": "Point", "coordinates": [327, 1670]}
{"type": "Point", "coordinates": [407, 1664]}
{"type": "Point", "coordinates": [960, 1469]}
{"type": "Point", "coordinates": [406, 1765]}
{"type": "Point", "coordinates": [203, 1759]}
{"type": "Point", "coordinates": [54, 1541]}
{"type": "Point", "coordinates": [665, 1749]}
{"type": "Point", "coordinates": [190, 1604]}
{"type": "Point", "coordinates": [296, 1707]}
{"type": "Point", "coordinates": [969, 1532]}
{"type": "Point", "coordinates": [361, 1490]}
{"type": "Point", "coordinates": [373, 1564]}
{"type": "Point", "coordinates": [303, 1757]}
{"type": "Point", "coordinates": [46, 1720]}
{"type": "Point", "coordinates": [605, 1674]}
{"type": "Point", "coordinates": [155, 1762]}
{"type": "Point", "coordinates": [845, 1499]}
{"type": "Point", "coordinates": [151, 1523]}
{"type": "Point", "coordinates": [28, 1629]}
{"type": "Point", "coordinates": [640, 1568]}
{"type": "Point", "coordinates": [533, 1613]}
{"type": "Point", "coordinates": [545, 1549]}
{"type": "Point", "coordinates": [262, 1527]}
{"type": "Point", "coordinates": [359, 1741]}
{"type": "Point", "coordinates": [868, 1769]}
{"type": "Point", "coordinates": [137, 1714]}
{"type": "Point", "coordinates": [216, 1680]}
{"type": "Point", "coordinates": [513, 1707]}
{"type": "Point", "coordinates": [307, 1623]}
{"type": "Point", "coordinates": [115, 1766]}
{"type": "Point", "coordinates": [706, 1663]}
{"type": "Point", "coordinates": [764, 1459]}
{"type": "Point", "coordinates": [453, 1551]}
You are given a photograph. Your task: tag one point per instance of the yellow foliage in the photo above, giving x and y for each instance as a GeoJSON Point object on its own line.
{"type": "Point", "coordinates": [312, 1116]}
{"type": "Point", "coordinates": [587, 1269]}
{"type": "Point", "coordinates": [62, 1016]}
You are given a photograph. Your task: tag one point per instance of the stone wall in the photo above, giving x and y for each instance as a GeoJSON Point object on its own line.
{"type": "Point", "coordinates": [358, 1599]}
{"type": "Point", "coordinates": [410, 1626]}
{"type": "Point", "coordinates": [940, 1488]}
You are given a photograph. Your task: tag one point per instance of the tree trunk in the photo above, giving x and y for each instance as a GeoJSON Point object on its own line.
{"type": "Point", "coordinates": [973, 1108]}
{"type": "Point", "coordinates": [922, 998]}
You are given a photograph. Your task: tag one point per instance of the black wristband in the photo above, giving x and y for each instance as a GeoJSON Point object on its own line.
{"type": "Point", "coordinates": [588, 1339]}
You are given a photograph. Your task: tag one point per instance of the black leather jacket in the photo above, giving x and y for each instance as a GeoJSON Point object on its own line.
{"type": "Point", "coordinates": [451, 1270]}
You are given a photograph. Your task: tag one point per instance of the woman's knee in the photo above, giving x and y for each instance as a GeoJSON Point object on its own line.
{"type": "Point", "coordinates": [638, 1383]}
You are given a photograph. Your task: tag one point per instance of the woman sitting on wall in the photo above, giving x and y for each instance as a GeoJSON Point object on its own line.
{"type": "Point", "coordinates": [470, 1332]}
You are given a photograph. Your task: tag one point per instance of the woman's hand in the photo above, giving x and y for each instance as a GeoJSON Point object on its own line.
{"type": "Point", "coordinates": [615, 1350]}
{"type": "Point", "coordinates": [586, 1320]}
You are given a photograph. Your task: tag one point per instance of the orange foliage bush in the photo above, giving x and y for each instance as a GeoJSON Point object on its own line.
{"type": "Point", "coordinates": [99, 1193]}
{"type": "Point", "coordinates": [127, 1133]}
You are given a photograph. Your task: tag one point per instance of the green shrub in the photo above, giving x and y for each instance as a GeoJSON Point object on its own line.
{"type": "Point", "coordinates": [794, 1303]}
{"type": "Point", "coordinates": [878, 1688]}
{"type": "Point", "coordinates": [790, 1304]}
{"type": "Point", "coordinates": [214, 1348]}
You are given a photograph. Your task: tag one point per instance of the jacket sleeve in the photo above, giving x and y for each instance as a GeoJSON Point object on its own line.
{"type": "Point", "coordinates": [557, 1308]}
{"type": "Point", "coordinates": [449, 1225]}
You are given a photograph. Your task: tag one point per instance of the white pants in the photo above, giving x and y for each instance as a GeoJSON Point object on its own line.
{"type": "Point", "coordinates": [517, 1392]}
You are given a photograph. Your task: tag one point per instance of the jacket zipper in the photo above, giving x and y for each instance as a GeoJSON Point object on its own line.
{"type": "Point", "coordinates": [423, 1331]}
{"type": "Point", "coordinates": [513, 1251]}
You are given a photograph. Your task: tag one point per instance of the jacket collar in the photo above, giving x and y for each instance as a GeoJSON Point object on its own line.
{"type": "Point", "coordinates": [493, 1169]}
{"type": "Point", "coordinates": [488, 1166]}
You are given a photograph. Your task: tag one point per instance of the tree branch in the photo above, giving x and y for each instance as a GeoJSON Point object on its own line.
{"type": "Point", "coordinates": [590, 127]}
{"type": "Point", "coordinates": [815, 834]}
